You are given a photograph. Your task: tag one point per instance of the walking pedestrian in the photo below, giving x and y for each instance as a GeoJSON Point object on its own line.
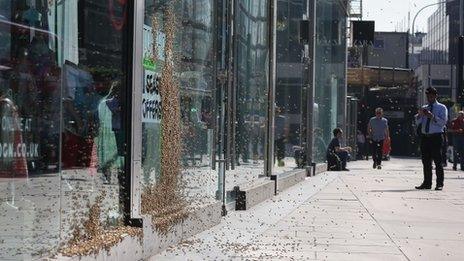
{"type": "Point", "coordinates": [431, 119]}
{"type": "Point", "coordinates": [378, 131]}
{"type": "Point", "coordinates": [457, 130]}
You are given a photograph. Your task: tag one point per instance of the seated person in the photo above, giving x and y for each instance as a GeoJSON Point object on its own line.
{"type": "Point", "coordinates": [337, 156]}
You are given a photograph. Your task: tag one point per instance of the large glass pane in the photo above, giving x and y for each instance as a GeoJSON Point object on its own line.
{"type": "Point", "coordinates": [94, 93]}
{"type": "Point", "coordinates": [289, 87]}
{"type": "Point", "coordinates": [194, 83]}
{"type": "Point", "coordinates": [252, 60]}
{"type": "Point", "coordinates": [29, 130]}
{"type": "Point", "coordinates": [330, 74]}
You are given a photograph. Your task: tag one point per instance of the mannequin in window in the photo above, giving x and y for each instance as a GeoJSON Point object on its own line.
{"type": "Point", "coordinates": [109, 139]}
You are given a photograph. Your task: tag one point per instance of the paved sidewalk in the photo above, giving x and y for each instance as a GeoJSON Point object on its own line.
{"type": "Point", "coordinates": [364, 214]}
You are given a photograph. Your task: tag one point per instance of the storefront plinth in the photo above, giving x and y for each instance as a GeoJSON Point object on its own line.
{"type": "Point", "coordinates": [199, 219]}
{"type": "Point", "coordinates": [290, 179]}
{"type": "Point", "coordinates": [130, 248]}
{"type": "Point", "coordinates": [255, 193]}
{"type": "Point", "coordinates": [320, 168]}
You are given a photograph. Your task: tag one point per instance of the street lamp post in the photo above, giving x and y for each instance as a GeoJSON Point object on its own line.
{"type": "Point", "coordinates": [459, 87]}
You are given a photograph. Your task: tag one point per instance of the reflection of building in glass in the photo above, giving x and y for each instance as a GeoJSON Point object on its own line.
{"type": "Point", "coordinates": [291, 77]}
{"type": "Point", "coordinates": [252, 79]}
{"type": "Point", "coordinates": [330, 76]}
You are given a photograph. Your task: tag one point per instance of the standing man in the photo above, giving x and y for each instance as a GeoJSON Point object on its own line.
{"type": "Point", "coordinates": [457, 130]}
{"type": "Point", "coordinates": [432, 119]}
{"type": "Point", "coordinates": [377, 130]}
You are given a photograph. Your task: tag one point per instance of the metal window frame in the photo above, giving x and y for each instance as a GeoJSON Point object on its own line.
{"type": "Point", "coordinates": [270, 123]}
{"type": "Point", "coordinates": [136, 110]}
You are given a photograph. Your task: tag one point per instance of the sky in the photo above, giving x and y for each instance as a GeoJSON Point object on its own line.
{"type": "Point", "coordinates": [392, 15]}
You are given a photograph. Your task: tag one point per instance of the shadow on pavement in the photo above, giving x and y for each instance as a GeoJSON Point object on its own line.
{"type": "Point", "coordinates": [394, 190]}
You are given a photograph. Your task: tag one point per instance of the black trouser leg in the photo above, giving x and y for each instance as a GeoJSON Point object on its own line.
{"type": "Point", "coordinates": [379, 149]}
{"type": "Point", "coordinates": [280, 148]}
{"type": "Point", "coordinates": [437, 142]}
{"type": "Point", "coordinates": [431, 151]}
{"type": "Point", "coordinates": [377, 152]}
{"type": "Point", "coordinates": [373, 152]}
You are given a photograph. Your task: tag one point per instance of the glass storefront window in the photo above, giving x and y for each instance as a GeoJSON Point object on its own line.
{"type": "Point", "coordinates": [289, 94]}
{"type": "Point", "coordinates": [330, 75]}
{"type": "Point", "coordinates": [252, 74]}
{"type": "Point", "coordinates": [63, 79]}
{"type": "Point", "coordinates": [193, 77]}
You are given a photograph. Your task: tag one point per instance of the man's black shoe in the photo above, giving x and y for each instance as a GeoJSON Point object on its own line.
{"type": "Point", "coordinates": [345, 169]}
{"type": "Point", "coordinates": [374, 166]}
{"type": "Point", "coordinates": [423, 187]}
{"type": "Point", "coordinates": [455, 168]}
{"type": "Point", "coordinates": [439, 188]}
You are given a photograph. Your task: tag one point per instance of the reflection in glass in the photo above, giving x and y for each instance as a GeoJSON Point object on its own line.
{"type": "Point", "coordinates": [289, 88]}
{"type": "Point", "coordinates": [29, 131]}
{"type": "Point", "coordinates": [51, 171]}
{"type": "Point", "coordinates": [194, 72]}
{"type": "Point", "coordinates": [330, 74]}
{"type": "Point", "coordinates": [252, 60]}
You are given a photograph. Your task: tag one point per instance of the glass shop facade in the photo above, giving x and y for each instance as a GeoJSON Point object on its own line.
{"type": "Point", "coordinates": [81, 106]}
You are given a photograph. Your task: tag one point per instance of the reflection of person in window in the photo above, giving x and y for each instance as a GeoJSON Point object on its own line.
{"type": "Point", "coordinates": [81, 123]}
{"type": "Point", "coordinates": [207, 112]}
{"type": "Point", "coordinates": [319, 145]}
{"type": "Point", "coordinates": [280, 136]}
{"type": "Point", "coordinates": [242, 138]}
{"type": "Point", "coordinates": [110, 139]}
{"type": "Point", "coordinates": [188, 130]}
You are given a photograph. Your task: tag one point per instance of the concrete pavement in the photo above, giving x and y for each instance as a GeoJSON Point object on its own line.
{"type": "Point", "coordinates": [363, 214]}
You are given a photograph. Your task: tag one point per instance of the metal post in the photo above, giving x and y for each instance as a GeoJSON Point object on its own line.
{"type": "Point", "coordinates": [460, 67]}
{"type": "Point", "coordinates": [459, 73]}
{"type": "Point", "coordinates": [311, 81]}
{"type": "Point", "coordinates": [461, 17]}
{"type": "Point", "coordinates": [135, 127]}
{"type": "Point", "coordinates": [272, 86]}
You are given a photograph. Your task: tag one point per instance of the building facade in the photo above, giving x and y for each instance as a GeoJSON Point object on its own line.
{"type": "Point", "coordinates": [435, 48]}
{"type": "Point", "coordinates": [389, 49]}
{"type": "Point", "coordinates": [452, 10]}
{"type": "Point", "coordinates": [440, 76]}
{"type": "Point", "coordinates": [122, 113]}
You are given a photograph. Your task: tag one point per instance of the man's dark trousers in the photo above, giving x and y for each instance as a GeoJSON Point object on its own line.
{"type": "Point", "coordinates": [431, 151]}
{"type": "Point", "coordinates": [377, 154]}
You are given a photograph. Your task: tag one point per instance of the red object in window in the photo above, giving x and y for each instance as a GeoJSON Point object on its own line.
{"type": "Point", "coordinates": [117, 22]}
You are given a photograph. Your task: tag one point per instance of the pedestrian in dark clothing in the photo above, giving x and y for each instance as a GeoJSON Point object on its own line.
{"type": "Point", "coordinates": [444, 147]}
{"type": "Point", "coordinates": [361, 143]}
{"type": "Point", "coordinates": [335, 150]}
{"type": "Point", "coordinates": [378, 131]}
{"type": "Point", "coordinates": [432, 119]}
{"type": "Point", "coordinates": [280, 131]}
{"type": "Point", "coordinates": [457, 130]}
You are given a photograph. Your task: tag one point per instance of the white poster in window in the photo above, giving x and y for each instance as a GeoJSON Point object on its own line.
{"type": "Point", "coordinates": [151, 100]}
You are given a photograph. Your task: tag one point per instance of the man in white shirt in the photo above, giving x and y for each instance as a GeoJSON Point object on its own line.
{"type": "Point", "coordinates": [432, 119]}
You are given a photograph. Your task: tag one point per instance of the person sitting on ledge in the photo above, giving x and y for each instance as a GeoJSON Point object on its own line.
{"type": "Point", "coordinates": [337, 156]}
